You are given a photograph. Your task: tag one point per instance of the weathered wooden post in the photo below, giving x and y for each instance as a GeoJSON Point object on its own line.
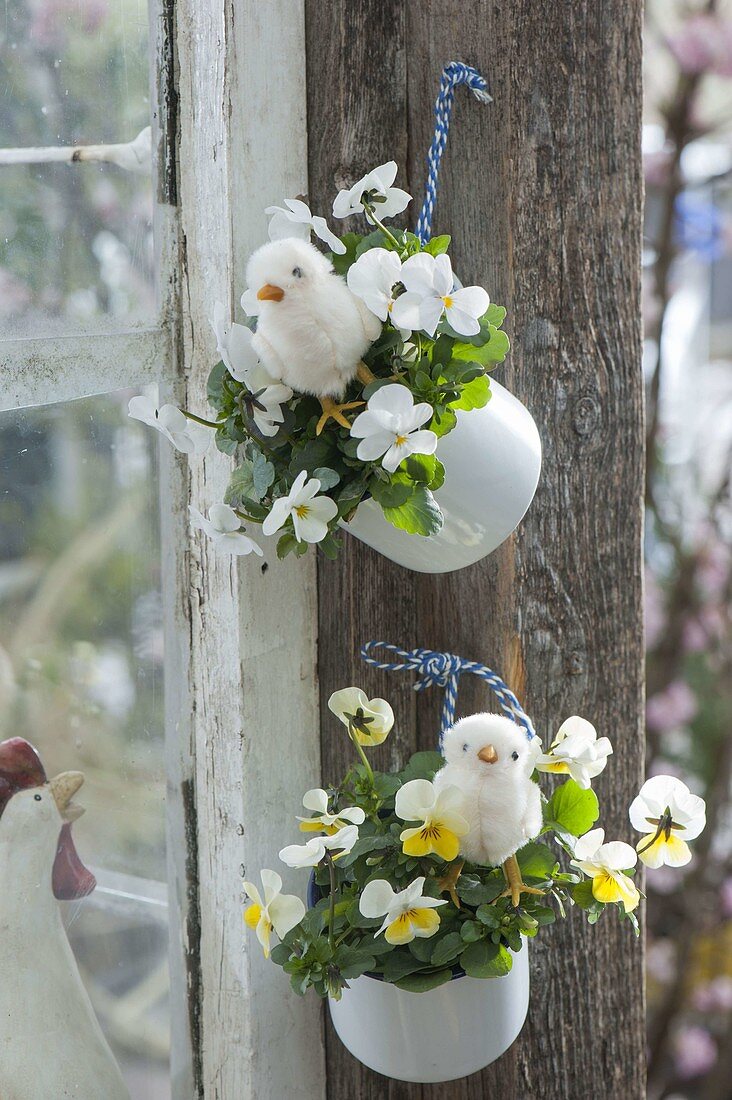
{"type": "Point", "coordinates": [542, 192]}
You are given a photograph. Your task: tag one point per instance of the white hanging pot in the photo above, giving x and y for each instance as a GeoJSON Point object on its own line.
{"type": "Point", "coordinates": [492, 461]}
{"type": "Point", "coordinates": [441, 1035]}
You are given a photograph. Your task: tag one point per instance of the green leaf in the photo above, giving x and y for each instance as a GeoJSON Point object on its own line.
{"type": "Point", "coordinates": [420, 515]}
{"type": "Point", "coordinates": [263, 475]}
{"type": "Point", "coordinates": [582, 894]}
{"type": "Point", "coordinates": [421, 949]}
{"type": "Point", "coordinates": [447, 949]}
{"type": "Point", "coordinates": [573, 809]}
{"type": "Point", "coordinates": [437, 245]}
{"type": "Point", "coordinates": [486, 960]}
{"type": "Point", "coordinates": [475, 395]}
{"type": "Point", "coordinates": [443, 422]}
{"type": "Point", "coordinates": [353, 961]}
{"type": "Point", "coordinates": [390, 494]}
{"type": "Point", "coordinates": [495, 315]}
{"type": "Point", "coordinates": [425, 470]}
{"type": "Point", "coordinates": [241, 484]}
{"type": "Point", "coordinates": [471, 930]}
{"type": "Point", "coordinates": [314, 455]}
{"type": "Point", "coordinates": [327, 477]}
{"type": "Point", "coordinates": [215, 386]}
{"type": "Point", "coordinates": [422, 765]}
{"type": "Point", "coordinates": [286, 544]}
{"type": "Point", "coordinates": [474, 892]}
{"type": "Point", "coordinates": [398, 964]}
{"type": "Point", "coordinates": [421, 983]}
{"type": "Point", "coordinates": [536, 860]}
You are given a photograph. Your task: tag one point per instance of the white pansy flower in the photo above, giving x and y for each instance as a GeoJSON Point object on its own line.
{"type": "Point", "coordinates": [406, 915]}
{"type": "Point", "coordinates": [317, 801]}
{"type": "Point", "coordinates": [369, 719]}
{"type": "Point", "coordinates": [268, 395]}
{"type": "Point", "coordinates": [390, 427]}
{"type": "Point", "coordinates": [374, 189]}
{"type": "Point", "coordinates": [185, 435]}
{"type": "Point", "coordinates": [441, 823]}
{"type": "Point", "coordinates": [372, 277]}
{"type": "Point", "coordinates": [605, 864]}
{"type": "Point", "coordinates": [314, 852]}
{"type": "Point", "coordinates": [233, 343]}
{"type": "Point", "coordinates": [223, 528]}
{"type": "Point", "coordinates": [310, 513]}
{"type": "Point", "coordinates": [295, 220]}
{"type": "Point", "coordinates": [274, 911]}
{"type": "Point", "coordinates": [668, 814]}
{"type": "Point", "coordinates": [430, 293]}
{"type": "Point", "coordinates": [576, 751]}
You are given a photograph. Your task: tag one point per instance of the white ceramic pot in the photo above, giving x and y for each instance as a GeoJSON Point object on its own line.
{"type": "Point", "coordinates": [446, 1033]}
{"type": "Point", "coordinates": [492, 462]}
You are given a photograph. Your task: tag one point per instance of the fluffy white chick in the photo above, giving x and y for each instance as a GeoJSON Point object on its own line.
{"type": "Point", "coordinates": [490, 760]}
{"type": "Point", "coordinates": [311, 329]}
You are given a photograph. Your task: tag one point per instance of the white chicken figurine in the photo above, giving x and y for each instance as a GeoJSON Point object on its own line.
{"type": "Point", "coordinates": [311, 330]}
{"type": "Point", "coordinates": [490, 759]}
{"type": "Point", "coordinates": [51, 1044]}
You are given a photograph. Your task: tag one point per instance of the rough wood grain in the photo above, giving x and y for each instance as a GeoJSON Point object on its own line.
{"type": "Point", "coordinates": [542, 194]}
{"type": "Point", "coordinates": [243, 694]}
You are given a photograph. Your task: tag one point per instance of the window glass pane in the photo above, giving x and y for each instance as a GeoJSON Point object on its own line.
{"type": "Point", "coordinates": [75, 239]}
{"type": "Point", "coordinates": [81, 679]}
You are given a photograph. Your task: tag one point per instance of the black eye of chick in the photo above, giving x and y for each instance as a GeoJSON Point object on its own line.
{"type": "Point", "coordinates": [514, 756]}
{"type": "Point", "coordinates": [37, 797]}
{"type": "Point", "coordinates": [465, 747]}
{"type": "Point", "coordinates": [297, 272]}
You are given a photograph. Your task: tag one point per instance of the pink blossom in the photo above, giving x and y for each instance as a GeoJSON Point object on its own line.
{"type": "Point", "coordinates": [695, 1052]}
{"type": "Point", "coordinates": [715, 996]}
{"type": "Point", "coordinates": [726, 897]}
{"type": "Point", "coordinates": [654, 610]}
{"type": "Point", "coordinates": [694, 638]}
{"type": "Point", "coordinates": [703, 45]}
{"type": "Point", "coordinates": [672, 708]}
{"type": "Point", "coordinates": [661, 960]}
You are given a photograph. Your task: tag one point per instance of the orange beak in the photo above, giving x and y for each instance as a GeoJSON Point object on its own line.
{"type": "Point", "coordinates": [488, 754]}
{"type": "Point", "coordinates": [269, 293]}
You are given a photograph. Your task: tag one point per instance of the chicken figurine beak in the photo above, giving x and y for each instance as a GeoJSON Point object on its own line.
{"type": "Point", "coordinates": [269, 293]}
{"type": "Point", "coordinates": [63, 789]}
{"type": "Point", "coordinates": [488, 754]}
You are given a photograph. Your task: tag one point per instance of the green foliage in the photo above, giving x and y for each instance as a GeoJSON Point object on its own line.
{"type": "Point", "coordinates": [572, 810]}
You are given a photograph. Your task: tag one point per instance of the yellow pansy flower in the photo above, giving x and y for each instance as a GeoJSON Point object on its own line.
{"type": "Point", "coordinates": [324, 822]}
{"type": "Point", "coordinates": [407, 915]}
{"type": "Point", "coordinates": [668, 814]}
{"type": "Point", "coordinates": [274, 911]}
{"type": "Point", "coordinates": [368, 720]}
{"type": "Point", "coordinates": [605, 865]}
{"type": "Point", "coordinates": [442, 826]}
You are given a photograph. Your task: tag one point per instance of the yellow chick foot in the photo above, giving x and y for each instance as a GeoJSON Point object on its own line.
{"type": "Point", "coordinates": [333, 411]}
{"type": "Point", "coordinates": [364, 373]}
{"type": "Point", "coordinates": [515, 883]}
{"type": "Point", "coordinates": [449, 881]}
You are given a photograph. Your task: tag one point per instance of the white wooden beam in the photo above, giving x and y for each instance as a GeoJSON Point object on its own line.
{"type": "Point", "coordinates": [242, 640]}
{"type": "Point", "coordinates": [45, 369]}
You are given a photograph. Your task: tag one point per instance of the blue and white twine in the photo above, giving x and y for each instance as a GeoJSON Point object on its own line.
{"type": "Point", "coordinates": [454, 74]}
{"type": "Point", "coordinates": [445, 670]}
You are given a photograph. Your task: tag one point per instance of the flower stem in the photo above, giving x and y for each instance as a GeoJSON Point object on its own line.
{"type": "Point", "coordinates": [371, 216]}
{"type": "Point", "coordinates": [200, 420]}
{"type": "Point", "coordinates": [244, 516]}
{"type": "Point", "coordinates": [331, 916]}
{"type": "Point", "coordinates": [361, 753]}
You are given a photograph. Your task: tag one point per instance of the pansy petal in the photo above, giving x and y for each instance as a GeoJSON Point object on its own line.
{"type": "Point", "coordinates": [430, 312]}
{"type": "Point", "coordinates": [316, 800]}
{"type": "Point", "coordinates": [285, 912]}
{"type": "Point", "coordinates": [425, 922]}
{"type": "Point", "coordinates": [473, 300]}
{"type": "Point", "coordinates": [461, 321]}
{"type": "Point", "coordinates": [405, 311]}
{"type": "Point", "coordinates": [278, 514]}
{"type": "Point", "coordinates": [376, 898]}
{"type": "Point", "coordinates": [272, 883]}
{"type": "Point", "coordinates": [414, 800]}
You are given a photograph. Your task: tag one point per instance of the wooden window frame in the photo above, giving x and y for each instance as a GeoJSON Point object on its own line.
{"type": "Point", "coordinates": [241, 699]}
